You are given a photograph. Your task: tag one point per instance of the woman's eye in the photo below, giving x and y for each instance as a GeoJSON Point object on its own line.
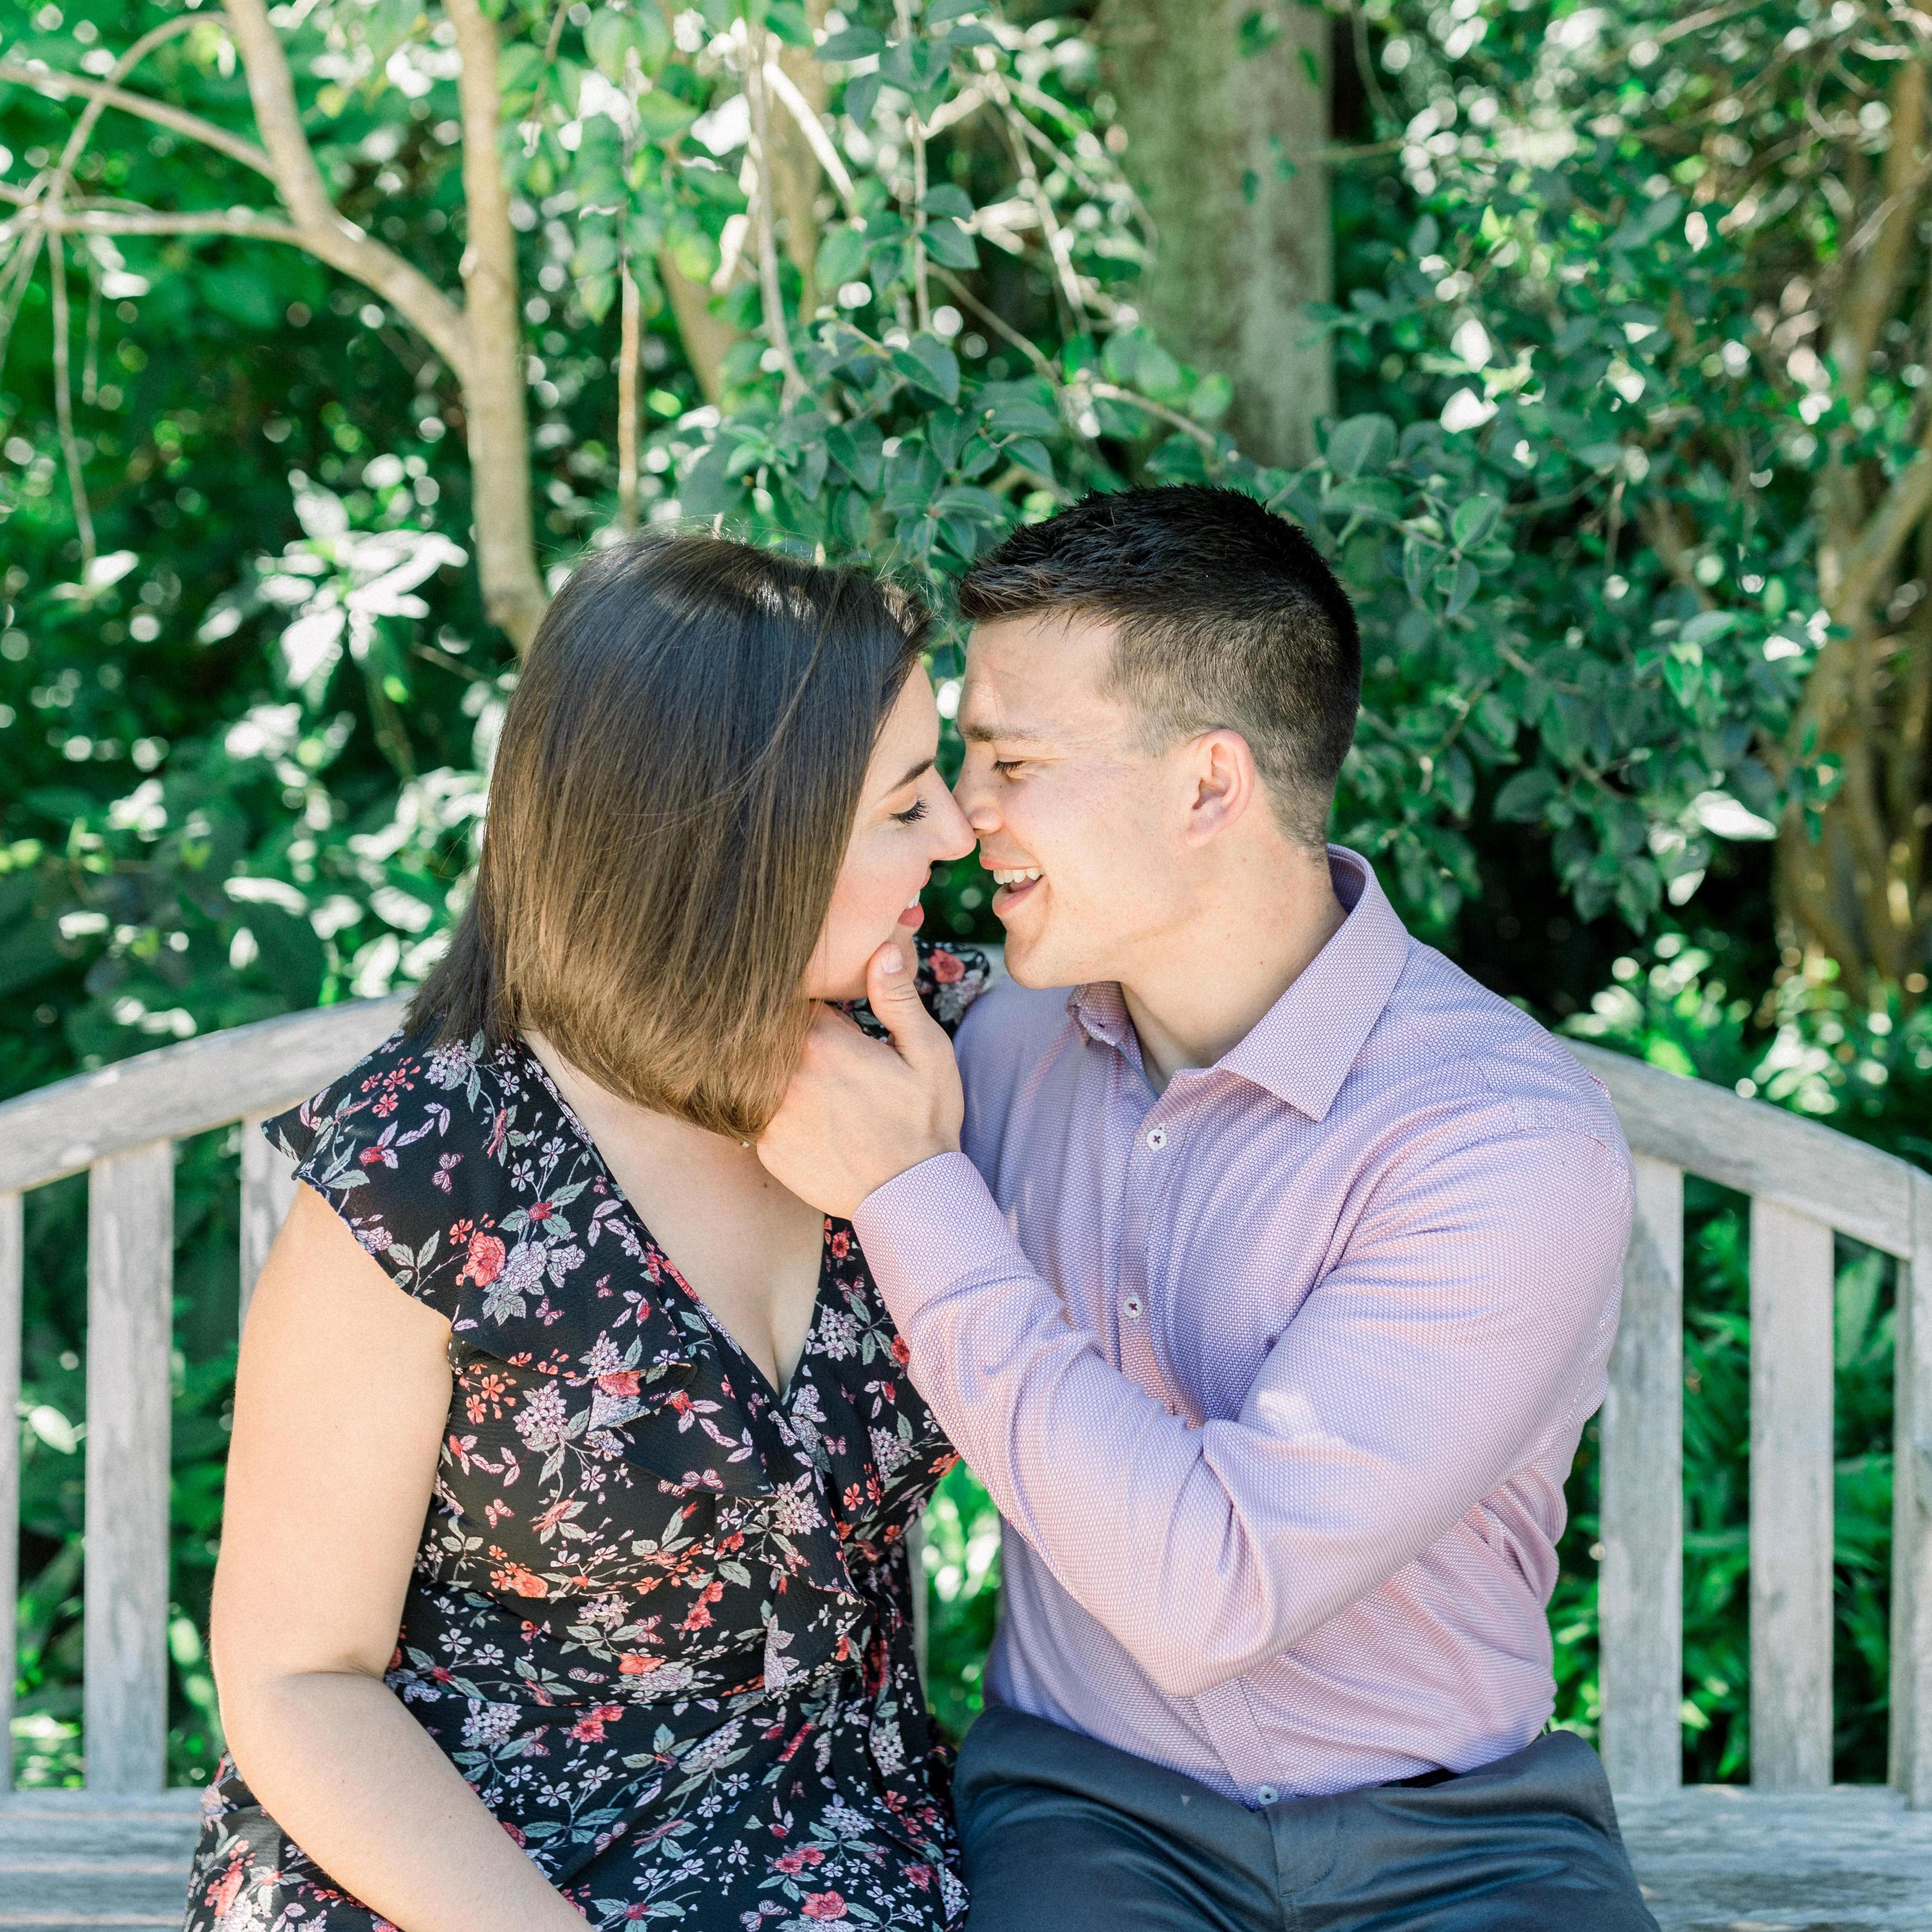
{"type": "Point", "coordinates": [914, 815]}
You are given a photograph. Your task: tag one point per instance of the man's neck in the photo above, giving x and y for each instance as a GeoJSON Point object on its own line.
{"type": "Point", "coordinates": [1197, 997]}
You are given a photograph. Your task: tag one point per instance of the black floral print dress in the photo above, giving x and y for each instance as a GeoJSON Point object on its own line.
{"type": "Point", "coordinates": [661, 1617]}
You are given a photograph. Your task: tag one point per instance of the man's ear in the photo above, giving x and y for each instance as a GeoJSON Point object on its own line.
{"type": "Point", "coordinates": [1223, 784]}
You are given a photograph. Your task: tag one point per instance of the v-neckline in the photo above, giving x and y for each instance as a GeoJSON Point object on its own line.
{"type": "Point", "coordinates": [780, 1397]}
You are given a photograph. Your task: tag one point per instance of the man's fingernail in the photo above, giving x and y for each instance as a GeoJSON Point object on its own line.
{"type": "Point", "coordinates": [893, 962]}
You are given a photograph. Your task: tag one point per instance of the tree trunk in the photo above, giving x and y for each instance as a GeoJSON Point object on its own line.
{"type": "Point", "coordinates": [1225, 147]}
{"type": "Point", "coordinates": [492, 375]}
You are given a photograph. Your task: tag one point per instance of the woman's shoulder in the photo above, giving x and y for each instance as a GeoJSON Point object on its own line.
{"type": "Point", "coordinates": [407, 1145]}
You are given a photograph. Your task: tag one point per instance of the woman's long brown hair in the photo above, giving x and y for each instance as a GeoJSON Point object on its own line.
{"type": "Point", "coordinates": [672, 795]}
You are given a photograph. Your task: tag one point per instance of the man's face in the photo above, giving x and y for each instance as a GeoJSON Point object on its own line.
{"type": "Point", "coordinates": [1058, 781]}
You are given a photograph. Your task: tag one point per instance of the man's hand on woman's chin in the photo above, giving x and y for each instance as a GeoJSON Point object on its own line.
{"type": "Point", "coordinates": [860, 1112]}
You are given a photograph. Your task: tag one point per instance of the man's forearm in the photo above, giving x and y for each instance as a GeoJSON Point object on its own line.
{"type": "Point", "coordinates": [355, 1780]}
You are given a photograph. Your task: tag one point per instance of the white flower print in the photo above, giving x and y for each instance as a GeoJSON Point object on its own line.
{"type": "Point", "coordinates": [891, 1453]}
{"type": "Point", "coordinates": [838, 1334]}
{"type": "Point", "coordinates": [488, 1724]}
{"type": "Point", "coordinates": [794, 1511]}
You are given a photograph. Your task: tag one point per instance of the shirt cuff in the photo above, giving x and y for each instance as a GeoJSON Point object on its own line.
{"type": "Point", "coordinates": [928, 1228]}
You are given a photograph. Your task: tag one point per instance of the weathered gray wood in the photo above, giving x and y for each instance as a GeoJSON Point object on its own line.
{"type": "Point", "coordinates": [1710, 1859]}
{"type": "Point", "coordinates": [1641, 1581]}
{"type": "Point", "coordinates": [267, 1192]}
{"type": "Point", "coordinates": [1720, 1858]}
{"type": "Point", "coordinates": [11, 1254]}
{"type": "Point", "coordinates": [921, 1615]}
{"type": "Point", "coordinates": [186, 1089]}
{"type": "Point", "coordinates": [1791, 1476]}
{"type": "Point", "coordinates": [130, 1325]}
{"type": "Point", "coordinates": [1911, 1767]}
{"type": "Point", "coordinates": [68, 1859]}
{"type": "Point", "coordinates": [1759, 1149]}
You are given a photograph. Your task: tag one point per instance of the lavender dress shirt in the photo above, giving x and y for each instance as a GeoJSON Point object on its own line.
{"type": "Point", "coordinates": [1276, 1379]}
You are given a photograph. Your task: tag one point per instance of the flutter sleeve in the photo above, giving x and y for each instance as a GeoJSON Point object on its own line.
{"type": "Point", "coordinates": [399, 1147]}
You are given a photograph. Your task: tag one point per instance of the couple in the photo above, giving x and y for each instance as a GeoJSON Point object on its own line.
{"type": "Point", "coordinates": [1266, 1277]}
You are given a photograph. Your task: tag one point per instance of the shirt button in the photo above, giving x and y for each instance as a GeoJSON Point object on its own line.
{"type": "Point", "coordinates": [1267, 1794]}
{"type": "Point", "coordinates": [1156, 1138]}
{"type": "Point", "coordinates": [1132, 1307]}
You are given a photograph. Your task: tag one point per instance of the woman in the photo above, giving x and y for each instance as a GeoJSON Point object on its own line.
{"type": "Point", "coordinates": [544, 1371]}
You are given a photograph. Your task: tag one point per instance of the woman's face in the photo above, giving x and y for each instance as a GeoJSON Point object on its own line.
{"type": "Point", "coordinates": [907, 823]}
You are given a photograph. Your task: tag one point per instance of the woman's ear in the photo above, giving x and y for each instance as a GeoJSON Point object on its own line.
{"type": "Point", "coordinates": [1222, 783]}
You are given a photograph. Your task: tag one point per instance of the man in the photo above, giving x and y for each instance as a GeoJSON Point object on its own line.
{"type": "Point", "coordinates": [1269, 1295]}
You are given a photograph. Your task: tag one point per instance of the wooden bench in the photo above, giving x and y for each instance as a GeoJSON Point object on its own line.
{"type": "Point", "coordinates": [1790, 1852]}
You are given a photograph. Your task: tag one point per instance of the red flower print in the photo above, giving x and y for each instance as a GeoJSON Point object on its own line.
{"type": "Point", "coordinates": [920, 1875]}
{"type": "Point", "coordinates": [841, 1245]}
{"type": "Point", "coordinates": [588, 1731]}
{"type": "Point", "coordinates": [901, 1351]}
{"type": "Point", "coordinates": [823, 1905]}
{"type": "Point", "coordinates": [486, 1261]}
{"type": "Point", "coordinates": [515, 1831]}
{"type": "Point", "coordinates": [635, 1663]}
{"type": "Point", "coordinates": [223, 1892]}
{"type": "Point", "coordinates": [946, 968]}
{"type": "Point", "coordinates": [524, 1582]}
{"type": "Point", "coordinates": [624, 1382]}
{"type": "Point", "coordinates": [542, 1211]}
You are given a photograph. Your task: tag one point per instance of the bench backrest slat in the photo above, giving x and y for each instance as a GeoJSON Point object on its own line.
{"type": "Point", "coordinates": [1911, 1702]}
{"type": "Point", "coordinates": [268, 1192]}
{"type": "Point", "coordinates": [130, 1215]}
{"type": "Point", "coordinates": [1791, 1469]}
{"type": "Point", "coordinates": [1640, 1583]}
{"type": "Point", "coordinates": [11, 1272]}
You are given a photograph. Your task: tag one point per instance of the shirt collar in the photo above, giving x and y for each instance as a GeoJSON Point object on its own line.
{"type": "Point", "coordinates": [1302, 1047]}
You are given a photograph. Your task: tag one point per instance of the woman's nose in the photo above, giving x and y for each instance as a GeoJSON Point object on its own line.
{"type": "Point", "coordinates": [952, 835]}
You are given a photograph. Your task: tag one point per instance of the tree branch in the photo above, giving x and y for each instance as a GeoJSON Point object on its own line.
{"type": "Point", "coordinates": [245, 222]}
{"type": "Point", "coordinates": [47, 80]}
{"type": "Point", "coordinates": [325, 232]}
{"type": "Point", "coordinates": [778, 329]}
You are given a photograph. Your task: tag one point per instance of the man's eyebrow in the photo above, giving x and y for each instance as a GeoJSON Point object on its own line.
{"type": "Point", "coordinates": [978, 734]}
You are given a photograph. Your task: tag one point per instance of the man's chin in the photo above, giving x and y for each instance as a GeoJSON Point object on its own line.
{"type": "Point", "coordinates": [1032, 964]}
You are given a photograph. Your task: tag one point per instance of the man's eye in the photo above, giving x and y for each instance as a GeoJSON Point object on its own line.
{"type": "Point", "coordinates": [1005, 767]}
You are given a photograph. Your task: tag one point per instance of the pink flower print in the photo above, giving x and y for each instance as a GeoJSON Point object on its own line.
{"type": "Point", "coordinates": [823, 1905]}
{"type": "Point", "coordinates": [485, 1262]}
{"type": "Point", "coordinates": [945, 968]}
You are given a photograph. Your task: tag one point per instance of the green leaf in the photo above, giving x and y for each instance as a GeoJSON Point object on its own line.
{"type": "Point", "coordinates": [1456, 584]}
{"type": "Point", "coordinates": [940, 11]}
{"type": "Point", "coordinates": [862, 96]}
{"type": "Point", "coordinates": [596, 293]}
{"type": "Point", "coordinates": [949, 244]}
{"type": "Point", "coordinates": [841, 256]}
{"type": "Point", "coordinates": [858, 449]}
{"type": "Point", "coordinates": [609, 36]}
{"type": "Point", "coordinates": [1473, 520]}
{"type": "Point", "coordinates": [1707, 626]}
{"type": "Point", "coordinates": [1524, 799]}
{"type": "Point", "coordinates": [661, 115]}
{"type": "Point", "coordinates": [1361, 444]}
{"type": "Point", "coordinates": [928, 364]}
{"type": "Point", "coordinates": [853, 43]}
{"type": "Point", "coordinates": [786, 19]}
{"type": "Point", "coordinates": [947, 200]}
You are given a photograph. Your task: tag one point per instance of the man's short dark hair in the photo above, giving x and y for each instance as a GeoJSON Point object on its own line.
{"type": "Point", "coordinates": [1227, 617]}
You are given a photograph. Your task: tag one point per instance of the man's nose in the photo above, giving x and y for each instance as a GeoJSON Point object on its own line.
{"type": "Point", "coordinates": [976, 803]}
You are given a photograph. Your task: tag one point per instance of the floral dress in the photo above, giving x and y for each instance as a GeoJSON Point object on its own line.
{"type": "Point", "coordinates": [661, 1616]}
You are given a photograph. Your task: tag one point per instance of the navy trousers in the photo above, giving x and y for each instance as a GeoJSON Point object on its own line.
{"type": "Point", "coordinates": [1064, 1834]}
